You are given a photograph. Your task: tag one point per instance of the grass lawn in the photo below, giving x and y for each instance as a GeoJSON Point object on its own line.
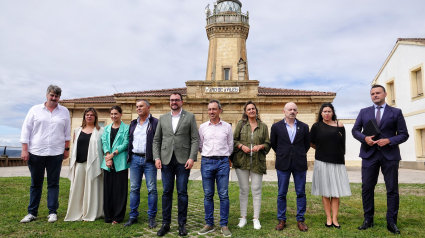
{"type": "Point", "coordinates": [14, 198]}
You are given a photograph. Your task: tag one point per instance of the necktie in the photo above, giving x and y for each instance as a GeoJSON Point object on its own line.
{"type": "Point", "coordinates": [378, 115]}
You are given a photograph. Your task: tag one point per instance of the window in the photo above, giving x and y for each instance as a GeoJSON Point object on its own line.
{"type": "Point", "coordinates": [390, 88]}
{"type": "Point", "coordinates": [423, 141]}
{"type": "Point", "coordinates": [227, 74]}
{"type": "Point", "coordinates": [416, 81]}
{"type": "Point", "coordinates": [419, 82]}
{"type": "Point", "coordinates": [420, 141]}
{"type": "Point", "coordinates": [101, 123]}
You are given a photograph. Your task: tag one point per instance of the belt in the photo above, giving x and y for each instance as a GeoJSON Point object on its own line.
{"type": "Point", "coordinates": [216, 157]}
{"type": "Point", "coordinates": [141, 155]}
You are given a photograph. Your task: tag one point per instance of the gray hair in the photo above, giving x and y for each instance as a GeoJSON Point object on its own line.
{"type": "Point", "coordinates": [54, 89]}
{"type": "Point", "coordinates": [216, 101]}
{"type": "Point", "coordinates": [144, 100]}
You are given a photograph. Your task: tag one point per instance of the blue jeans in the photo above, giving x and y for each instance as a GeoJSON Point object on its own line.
{"type": "Point", "coordinates": [283, 182]}
{"type": "Point", "coordinates": [37, 165]}
{"type": "Point", "coordinates": [139, 166]}
{"type": "Point", "coordinates": [215, 170]}
{"type": "Point", "coordinates": [174, 171]}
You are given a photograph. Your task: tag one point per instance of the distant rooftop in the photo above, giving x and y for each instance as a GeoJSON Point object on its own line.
{"type": "Point", "coordinates": [262, 91]}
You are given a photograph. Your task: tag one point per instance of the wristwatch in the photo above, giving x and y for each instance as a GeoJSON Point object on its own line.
{"type": "Point", "coordinates": [115, 153]}
{"type": "Point", "coordinates": [67, 149]}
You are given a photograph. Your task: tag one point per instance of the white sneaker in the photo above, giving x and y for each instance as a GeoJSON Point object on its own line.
{"type": "Point", "coordinates": [52, 217]}
{"type": "Point", "coordinates": [242, 222]}
{"type": "Point", "coordinates": [257, 225]}
{"type": "Point", "coordinates": [28, 218]}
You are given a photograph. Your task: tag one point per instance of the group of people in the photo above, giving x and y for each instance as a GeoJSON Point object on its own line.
{"type": "Point", "coordinates": [101, 157]}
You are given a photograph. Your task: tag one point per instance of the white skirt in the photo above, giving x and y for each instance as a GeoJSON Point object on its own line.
{"type": "Point", "coordinates": [330, 180]}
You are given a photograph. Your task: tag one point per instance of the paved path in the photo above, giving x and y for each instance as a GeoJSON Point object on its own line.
{"type": "Point", "coordinates": [354, 174]}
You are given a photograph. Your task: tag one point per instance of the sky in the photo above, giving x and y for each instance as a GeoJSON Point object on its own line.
{"type": "Point", "coordinates": [99, 47]}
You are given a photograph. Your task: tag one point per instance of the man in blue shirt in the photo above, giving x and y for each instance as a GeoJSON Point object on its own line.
{"type": "Point", "coordinates": [290, 139]}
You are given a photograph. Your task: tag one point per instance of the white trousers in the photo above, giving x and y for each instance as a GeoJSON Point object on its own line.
{"type": "Point", "coordinates": [85, 196]}
{"type": "Point", "coordinates": [256, 184]}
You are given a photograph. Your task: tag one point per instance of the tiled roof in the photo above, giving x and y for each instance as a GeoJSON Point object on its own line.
{"type": "Point", "coordinates": [262, 91]}
{"type": "Point", "coordinates": [99, 99]}
{"type": "Point", "coordinates": [419, 40]}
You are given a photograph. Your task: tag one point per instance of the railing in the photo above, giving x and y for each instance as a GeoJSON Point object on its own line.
{"type": "Point", "coordinates": [11, 156]}
{"type": "Point", "coordinates": [230, 18]}
{"type": "Point", "coordinates": [11, 151]}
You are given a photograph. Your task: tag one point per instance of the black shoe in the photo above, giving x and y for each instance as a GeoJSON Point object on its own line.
{"type": "Point", "coordinates": [328, 226]}
{"type": "Point", "coordinates": [337, 227]}
{"type": "Point", "coordinates": [130, 222]}
{"type": "Point", "coordinates": [366, 225]}
{"type": "Point", "coordinates": [165, 228]}
{"type": "Point", "coordinates": [152, 222]}
{"type": "Point", "coordinates": [182, 230]}
{"type": "Point", "coordinates": [393, 228]}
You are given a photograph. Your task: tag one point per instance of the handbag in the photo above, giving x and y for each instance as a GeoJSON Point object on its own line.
{"type": "Point", "coordinates": [233, 155]}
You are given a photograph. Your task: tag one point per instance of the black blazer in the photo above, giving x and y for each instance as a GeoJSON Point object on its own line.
{"type": "Point", "coordinates": [287, 152]}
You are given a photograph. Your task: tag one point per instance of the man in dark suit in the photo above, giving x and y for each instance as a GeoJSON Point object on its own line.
{"type": "Point", "coordinates": [380, 151]}
{"type": "Point", "coordinates": [140, 158]}
{"type": "Point", "coordinates": [290, 139]}
{"type": "Point", "coordinates": [175, 148]}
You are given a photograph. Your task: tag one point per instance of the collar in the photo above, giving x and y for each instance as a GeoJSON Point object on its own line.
{"type": "Point", "coordinates": [295, 122]}
{"type": "Point", "coordinates": [178, 114]}
{"type": "Point", "coordinates": [210, 123]}
{"type": "Point", "coordinates": [44, 106]}
{"type": "Point", "coordinates": [383, 106]}
{"type": "Point", "coordinates": [138, 119]}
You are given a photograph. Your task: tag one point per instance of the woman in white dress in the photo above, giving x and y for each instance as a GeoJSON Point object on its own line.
{"type": "Point", "coordinates": [86, 193]}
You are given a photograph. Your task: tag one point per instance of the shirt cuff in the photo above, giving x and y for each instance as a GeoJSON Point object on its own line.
{"type": "Point", "coordinates": [157, 159]}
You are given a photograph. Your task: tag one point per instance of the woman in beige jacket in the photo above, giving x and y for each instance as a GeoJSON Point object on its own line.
{"type": "Point", "coordinates": [86, 194]}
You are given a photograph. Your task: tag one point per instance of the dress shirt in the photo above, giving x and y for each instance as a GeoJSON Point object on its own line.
{"type": "Point", "coordinates": [382, 109]}
{"type": "Point", "coordinates": [215, 140]}
{"type": "Point", "coordinates": [175, 120]}
{"type": "Point", "coordinates": [139, 136]}
{"type": "Point", "coordinates": [291, 131]}
{"type": "Point", "coordinates": [45, 132]}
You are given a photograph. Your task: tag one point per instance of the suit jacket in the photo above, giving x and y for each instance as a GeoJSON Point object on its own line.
{"type": "Point", "coordinates": [120, 144]}
{"type": "Point", "coordinates": [287, 152]}
{"type": "Point", "coordinates": [94, 155]}
{"type": "Point", "coordinates": [153, 122]}
{"type": "Point", "coordinates": [184, 142]}
{"type": "Point", "coordinates": [392, 126]}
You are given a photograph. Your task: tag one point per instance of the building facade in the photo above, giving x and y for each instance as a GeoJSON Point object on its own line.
{"type": "Point", "coordinates": [227, 80]}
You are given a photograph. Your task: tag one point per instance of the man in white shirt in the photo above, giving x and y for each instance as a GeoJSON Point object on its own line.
{"type": "Point", "coordinates": [45, 137]}
{"type": "Point", "coordinates": [215, 145]}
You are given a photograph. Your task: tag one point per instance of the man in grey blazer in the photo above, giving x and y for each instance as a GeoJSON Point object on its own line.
{"type": "Point", "coordinates": [175, 148]}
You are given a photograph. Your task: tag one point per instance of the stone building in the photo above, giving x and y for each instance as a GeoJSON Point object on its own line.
{"type": "Point", "coordinates": [227, 80]}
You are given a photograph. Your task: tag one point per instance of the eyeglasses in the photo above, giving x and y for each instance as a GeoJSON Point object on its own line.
{"type": "Point", "coordinates": [175, 100]}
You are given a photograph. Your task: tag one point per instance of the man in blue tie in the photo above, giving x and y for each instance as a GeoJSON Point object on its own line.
{"type": "Point", "coordinates": [380, 151]}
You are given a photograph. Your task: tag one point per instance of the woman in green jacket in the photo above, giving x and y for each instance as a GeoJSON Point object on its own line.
{"type": "Point", "coordinates": [251, 144]}
{"type": "Point", "coordinates": [115, 143]}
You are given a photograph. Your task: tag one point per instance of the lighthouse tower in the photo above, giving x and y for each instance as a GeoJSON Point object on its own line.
{"type": "Point", "coordinates": [227, 30]}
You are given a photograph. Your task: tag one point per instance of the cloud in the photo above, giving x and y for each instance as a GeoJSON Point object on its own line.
{"type": "Point", "coordinates": [87, 47]}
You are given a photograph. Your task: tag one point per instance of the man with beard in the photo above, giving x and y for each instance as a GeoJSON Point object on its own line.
{"type": "Point", "coordinates": [45, 137]}
{"type": "Point", "coordinates": [380, 151]}
{"type": "Point", "coordinates": [290, 139]}
{"type": "Point", "coordinates": [175, 148]}
{"type": "Point", "coordinates": [216, 145]}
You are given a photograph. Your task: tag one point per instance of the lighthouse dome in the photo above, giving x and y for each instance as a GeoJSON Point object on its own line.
{"type": "Point", "coordinates": [228, 6]}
